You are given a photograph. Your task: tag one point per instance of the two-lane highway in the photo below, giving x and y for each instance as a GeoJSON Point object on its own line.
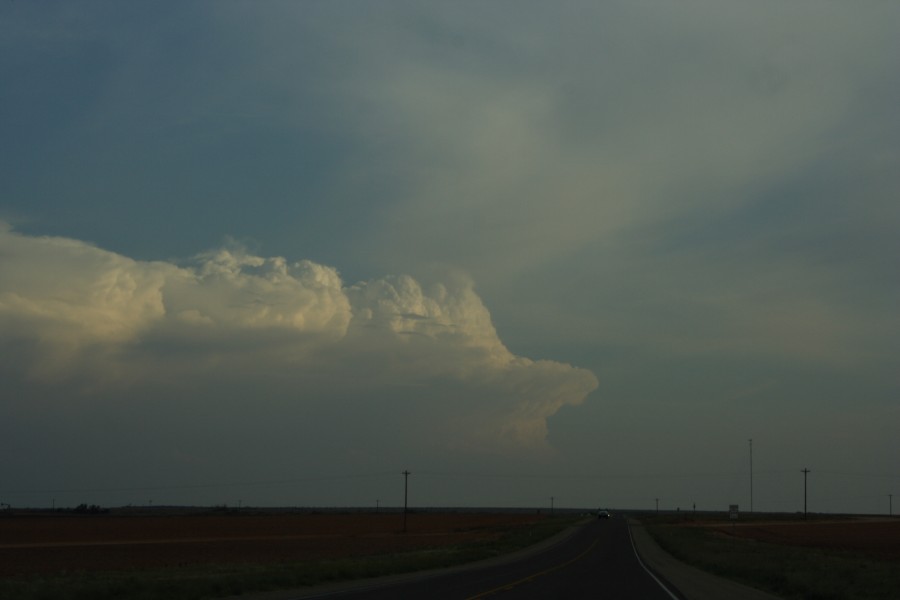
{"type": "Point", "coordinates": [596, 561]}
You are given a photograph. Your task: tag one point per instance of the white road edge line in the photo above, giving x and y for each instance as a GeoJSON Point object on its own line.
{"type": "Point", "coordinates": [649, 572]}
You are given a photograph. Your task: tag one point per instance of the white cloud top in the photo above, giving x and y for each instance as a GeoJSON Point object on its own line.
{"type": "Point", "coordinates": [92, 315]}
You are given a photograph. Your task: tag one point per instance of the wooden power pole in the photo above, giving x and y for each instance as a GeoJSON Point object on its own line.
{"type": "Point", "coordinates": [805, 473]}
{"type": "Point", "coordinates": [406, 475]}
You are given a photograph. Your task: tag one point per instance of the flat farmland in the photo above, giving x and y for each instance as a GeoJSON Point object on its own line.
{"type": "Point", "coordinates": [878, 538]}
{"type": "Point", "coordinates": [55, 544]}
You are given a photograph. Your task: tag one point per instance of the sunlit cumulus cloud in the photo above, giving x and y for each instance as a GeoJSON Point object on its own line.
{"type": "Point", "coordinates": [78, 321]}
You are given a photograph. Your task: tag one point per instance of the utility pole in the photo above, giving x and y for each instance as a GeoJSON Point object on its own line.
{"type": "Point", "coordinates": [890, 505]}
{"type": "Point", "coordinates": [751, 475]}
{"type": "Point", "coordinates": [551, 506]}
{"type": "Point", "coordinates": [406, 475]}
{"type": "Point", "coordinates": [657, 506]}
{"type": "Point", "coordinates": [805, 473]}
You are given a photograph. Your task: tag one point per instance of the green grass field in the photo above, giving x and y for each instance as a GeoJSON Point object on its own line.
{"type": "Point", "coordinates": [791, 572]}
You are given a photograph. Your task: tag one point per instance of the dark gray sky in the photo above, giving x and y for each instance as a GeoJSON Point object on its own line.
{"type": "Point", "coordinates": [279, 252]}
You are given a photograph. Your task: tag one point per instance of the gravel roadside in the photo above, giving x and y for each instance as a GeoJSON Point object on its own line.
{"type": "Point", "coordinates": [691, 582]}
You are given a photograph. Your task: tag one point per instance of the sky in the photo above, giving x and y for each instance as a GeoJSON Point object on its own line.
{"type": "Point", "coordinates": [573, 253]}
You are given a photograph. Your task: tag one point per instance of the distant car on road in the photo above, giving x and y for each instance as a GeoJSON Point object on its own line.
{"type": "Point", "coordinates": [602, 514]}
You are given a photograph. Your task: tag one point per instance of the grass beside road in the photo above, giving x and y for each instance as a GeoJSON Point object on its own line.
{"type": "Point", "coordinates": [217, 581]}
{"type": "Point", "coordinates": [790, 572]}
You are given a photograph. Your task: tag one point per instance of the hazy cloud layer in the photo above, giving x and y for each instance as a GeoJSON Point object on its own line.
{"type": "Point", "coordinates": [677, 161]}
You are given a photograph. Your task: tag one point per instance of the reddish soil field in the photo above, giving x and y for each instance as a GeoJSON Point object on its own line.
{"type": "Point", "coordinates": [53, 544]}
{"type": "Point", "coordinates": [876, 538]}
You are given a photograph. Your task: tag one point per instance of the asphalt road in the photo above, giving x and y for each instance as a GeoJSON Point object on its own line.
{"type": "Point", "coordinates": [598, 561]}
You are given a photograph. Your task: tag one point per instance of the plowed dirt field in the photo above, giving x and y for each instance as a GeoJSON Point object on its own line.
{"type": "Point", "coordinates": [54, 544]}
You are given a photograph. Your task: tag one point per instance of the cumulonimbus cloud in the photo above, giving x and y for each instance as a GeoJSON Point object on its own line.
{"type": "Point", "coordinates": [72, 311]}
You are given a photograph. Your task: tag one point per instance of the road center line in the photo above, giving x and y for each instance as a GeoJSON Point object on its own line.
{"type": "Point", "coordinates": [509, 586]}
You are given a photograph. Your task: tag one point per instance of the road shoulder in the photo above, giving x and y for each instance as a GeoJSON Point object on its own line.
{"type": "Point", "coordinates": [691, 582]}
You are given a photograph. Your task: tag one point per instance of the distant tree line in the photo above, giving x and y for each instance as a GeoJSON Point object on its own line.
{"type": "Point", "coordinates": [93, 509]}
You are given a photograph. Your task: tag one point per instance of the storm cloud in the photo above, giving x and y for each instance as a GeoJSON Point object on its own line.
{"type": "Point", "coordinates": [73, 313]}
